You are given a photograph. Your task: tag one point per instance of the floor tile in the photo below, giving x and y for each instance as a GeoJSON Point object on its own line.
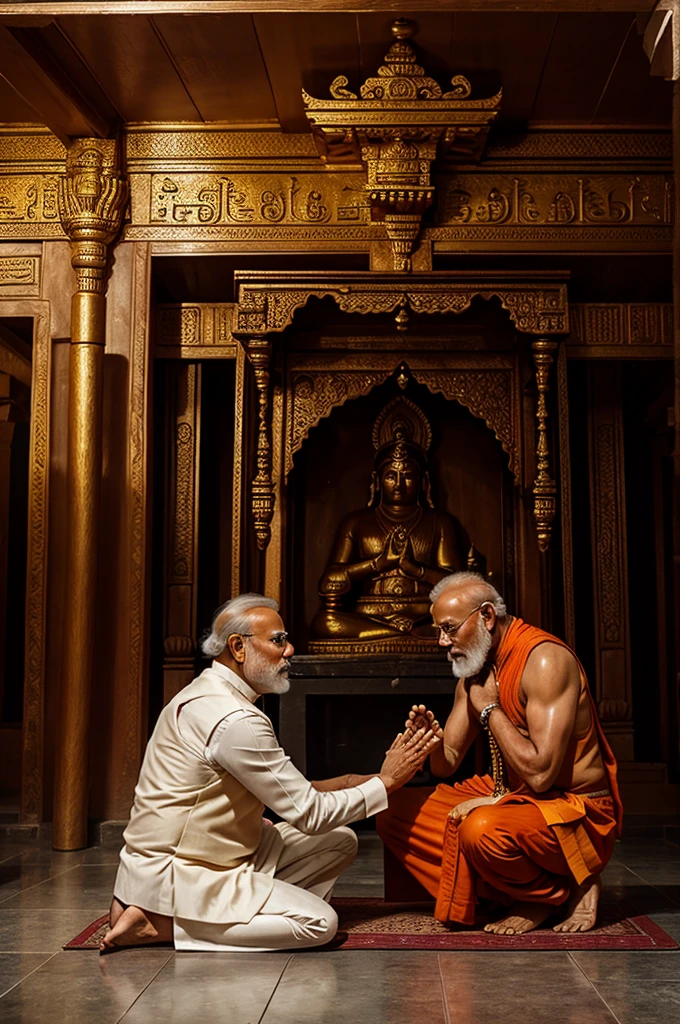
{"type": "Point", "coordinates": [628, 967]}
{"type": "Point", "coordinates": [210, 988]}
{"type": "Point", "coordinates": [105, 854]}
{"type": "Point", "coordinates": [670, 922]}
{"type": "Point", "coordinates": [380, 987]}
{"type": "Point", "coordinates": [14, 967]}
{"type": "Point", "coordinates": [40, 931]}
{"type": "Point", "coordinates": [634, 1002]}
{"type": "Point", "coordinates": [516, 987]}
{"type": "Point", "coordinates": [85, 886]}
{"type": "Point", "coordinates": [80, 988]}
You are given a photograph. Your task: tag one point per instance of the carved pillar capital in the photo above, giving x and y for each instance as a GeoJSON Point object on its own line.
{"type": "Point", "coordinates": [92, 198]}
{"type": "Point", "coordinates": [544, 489]}
{"type": "Point", "coordinates": [259, 349]}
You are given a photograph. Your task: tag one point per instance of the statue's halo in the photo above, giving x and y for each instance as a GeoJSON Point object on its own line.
{"type": "Point", "coordinates": [402, 420]}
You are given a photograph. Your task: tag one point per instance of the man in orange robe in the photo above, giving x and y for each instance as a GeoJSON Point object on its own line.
{"type": "Point", "coordinates": [536, 837]}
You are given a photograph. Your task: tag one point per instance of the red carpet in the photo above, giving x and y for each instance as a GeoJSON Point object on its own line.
{"type": "Point", "coordinates": [374, 924]}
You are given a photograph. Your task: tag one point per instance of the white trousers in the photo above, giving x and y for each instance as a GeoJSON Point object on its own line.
{"type": "Point", "coordinates": [296, 914]}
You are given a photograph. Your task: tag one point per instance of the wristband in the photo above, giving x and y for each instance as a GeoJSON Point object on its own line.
{"type": "Point", "coordinates": [485, 712]}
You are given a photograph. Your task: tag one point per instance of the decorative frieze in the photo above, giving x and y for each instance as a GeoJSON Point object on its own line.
{"type": "Point", "coordinates": [621, 323]}
{"type": "Point", "coordinates": [195, 327]}
{"type": "Point", "coordinates": [19, 271]}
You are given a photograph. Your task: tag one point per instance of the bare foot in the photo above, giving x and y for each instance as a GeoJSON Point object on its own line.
{"type": "Point", "coordinates": [116, 910]}
{"type": "Point", "coordinates": [523, 917]}
{"type": "Point", "coordinates": [582, 907]}
{"type": "Point", "coordinates": [134, 927]}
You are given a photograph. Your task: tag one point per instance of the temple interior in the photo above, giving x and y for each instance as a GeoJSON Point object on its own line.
{"type": "Point", "coordinates": [245, 248]}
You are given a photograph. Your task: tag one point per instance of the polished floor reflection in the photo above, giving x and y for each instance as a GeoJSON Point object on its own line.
{"type": "Point", "coordinates": [46, 898]}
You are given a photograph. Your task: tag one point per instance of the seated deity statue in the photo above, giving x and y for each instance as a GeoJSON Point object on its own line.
{"type": "Point", "coordinates": [387, 557]}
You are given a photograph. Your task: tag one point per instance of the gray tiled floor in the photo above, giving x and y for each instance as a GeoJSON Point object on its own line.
{"type": "Point", "coordinates": [46, 898]}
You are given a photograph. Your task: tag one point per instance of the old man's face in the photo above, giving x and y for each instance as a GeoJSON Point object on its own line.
{"type": "Point", "coordinates": [464, 631]}
{"type": "Point", "coordinates": [267, 650]}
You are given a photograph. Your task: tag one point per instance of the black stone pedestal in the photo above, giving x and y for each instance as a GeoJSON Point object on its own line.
{"type": "Point", "coordinates": [405, 680]}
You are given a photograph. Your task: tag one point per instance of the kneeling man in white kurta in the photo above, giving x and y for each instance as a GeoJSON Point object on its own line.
{"type": "Point", "coordinates": [199, 866]}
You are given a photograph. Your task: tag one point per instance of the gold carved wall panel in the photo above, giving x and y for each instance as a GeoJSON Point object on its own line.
{"type": "Point", "coordinates": [195, 330]}
{"type": "Point", "coordinates": [623, 324]}
{"type": "Point", "coordinates": [19, 274]}
{"type": "Point", "coordinates": [485, 385]}
{"type": "Point", "coordinates": [192, 182]}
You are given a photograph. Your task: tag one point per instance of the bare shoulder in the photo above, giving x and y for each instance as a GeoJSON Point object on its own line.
{"type": "Point", "coordinates": [551, 669]}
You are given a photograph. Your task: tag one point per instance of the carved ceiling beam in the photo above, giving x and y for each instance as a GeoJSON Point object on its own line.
{"type": "Point", "coordinates": [397, 127]}
{"type": "Point", "coordinates": [45, 87]}
{"type": "Point", "coordinates": [267, 302]}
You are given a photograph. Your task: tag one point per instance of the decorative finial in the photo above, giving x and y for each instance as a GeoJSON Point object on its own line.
{"type": "Point", "coordinates": [404, 28]}
{"type": "Point", "coordinates": [401, 319]}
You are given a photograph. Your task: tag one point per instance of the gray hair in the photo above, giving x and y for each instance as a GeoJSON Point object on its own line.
{"type": "Point", "coordinates": [233, 617]}
{"type": "Point", "coordinates": [475, 584]}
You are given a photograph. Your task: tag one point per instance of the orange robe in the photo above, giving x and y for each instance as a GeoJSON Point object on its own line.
{"type": "Point", "coordinates": [526, 847]}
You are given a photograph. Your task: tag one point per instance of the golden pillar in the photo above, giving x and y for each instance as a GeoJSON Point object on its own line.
{"type": "Point", "coordinates": [92, 197]}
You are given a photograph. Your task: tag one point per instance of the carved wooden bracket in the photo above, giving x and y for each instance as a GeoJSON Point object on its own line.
{"type": "Point", "coordinates": [396, 127]}
{"type": "Point", "coordinates": [259, 352]}
{"type": "Point", "coordinates": [267, 300]}
{"type": "Point", "coordinates": [544, 489]}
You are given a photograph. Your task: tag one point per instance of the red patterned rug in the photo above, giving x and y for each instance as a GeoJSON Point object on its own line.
{"type": "Point", "coordinates": [374, 924]}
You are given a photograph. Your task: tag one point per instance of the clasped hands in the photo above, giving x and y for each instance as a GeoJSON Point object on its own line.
{"type": "Point", "coordinates": [419, 717]}
{"type": "Point", "coordinates": [398, 553]}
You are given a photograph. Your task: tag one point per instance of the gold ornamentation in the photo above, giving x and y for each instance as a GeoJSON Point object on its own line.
{"type": "Point", "coordinates": [203, 326]}
{"type": "Point", "coordinates": [245, 199]}
{"type": "Point", "coordinates": [258, 350]}
{"type": "Point", "coordinates": [36, 582]}
{"type": "Point", "coordinates": [18, 270]}
{"type": "Point", "coordinates": [544, 489]}
{"type": "Point", "coordinates": [315, 394]}
{"type": "Point", "coordinates": [237, 547]}
{"type": "Point", "coordinates": [403, 644]}
{"type": "Point", "coordinates": [489, 394]}
{"type": "Point", "coordinates": [621, 324]}
{"type": "Point", "coordinates": [263, 307]}
{"type": "Point", "coordinates": [583, 145]}
{"type": "Point", "coordinates": [185, 446]}
{"type": "Point", "coordinates": [91, 199]}
{"type": "Point", "coordinates": [192, 142]}
{"type": "Point", "coordinates": [565, 497]}
{"type": "Point", "coordinates": [396, 127]}
{"type": "Point", "coordinates": [137, 530]}
{"type": "Point", "coordinates": [535, 199]}
{"type": "Point", "coordinates": [28, 207]}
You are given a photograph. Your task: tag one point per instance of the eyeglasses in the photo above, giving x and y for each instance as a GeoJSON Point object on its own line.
{"type": "Point", "coordinates": [280, 639]}
{"type": "Point", "coordinates": [450, 631]}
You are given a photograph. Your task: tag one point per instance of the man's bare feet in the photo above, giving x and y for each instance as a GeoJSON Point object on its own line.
{"type": "Point", "coordinates": [131, 926]}
{"type": "Point", "coordinates": [523, 917]}
{"type": "Point", "coordinates": [582, 907]}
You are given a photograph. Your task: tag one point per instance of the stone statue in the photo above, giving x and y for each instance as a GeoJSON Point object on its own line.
{"type": "Point", "coordinates": [388, 556]}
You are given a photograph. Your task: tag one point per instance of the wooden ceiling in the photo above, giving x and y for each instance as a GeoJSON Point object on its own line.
{"type": "Point", "coordinates": [84, 74]}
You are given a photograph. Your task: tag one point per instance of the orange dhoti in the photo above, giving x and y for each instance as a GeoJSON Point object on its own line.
{"type": "Point", "coordinates": [504, 852]}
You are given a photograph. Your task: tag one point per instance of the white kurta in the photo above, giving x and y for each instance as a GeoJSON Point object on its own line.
{"type": "Point", "coordinates": [191, 847]}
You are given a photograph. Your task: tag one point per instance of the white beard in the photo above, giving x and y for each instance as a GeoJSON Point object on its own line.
{"type": "Point", "coordinates": [474, 659]}
{"type": "Point", "coordinates": [263, 676]}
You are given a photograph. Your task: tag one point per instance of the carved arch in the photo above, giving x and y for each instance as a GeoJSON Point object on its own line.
{"type": "Point", "coordinates": [489, 393]}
